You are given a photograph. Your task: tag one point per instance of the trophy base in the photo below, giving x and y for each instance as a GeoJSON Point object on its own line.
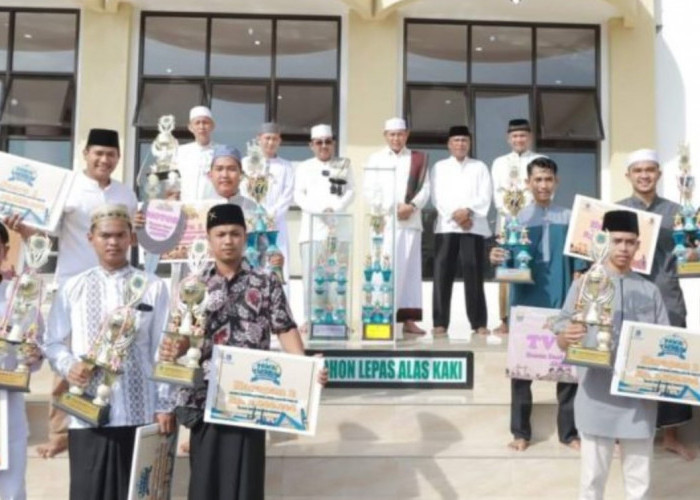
{"type": "Point", "coordinates": [589, 357]}
{"type": "Point", "coordinates": [173, 373]}
{"type": "Point", "coordinates": [688, 269]}
{"type": "Point", "coordinates": [328, 332]}
{"type": "Point", "coordinates": [83, 408]}
{"type": "Point", "coordinates": [513, 275]}
{"type": "Point", "coordinates": [377, 331]}
{"type": "Point", "coordinates": [14, 381]}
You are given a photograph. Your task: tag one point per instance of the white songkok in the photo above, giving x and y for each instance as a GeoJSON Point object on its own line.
{"type": "Point", "coordinates": [200, 112]}
{"type": "Point", "coordinates": [642, 155]}
{"type": "Point", "coordinates": [110, 211]}
{"type": "Point", "coordinates": [321, 131]}
{"type": "Point", "coordinates": [394, 124]}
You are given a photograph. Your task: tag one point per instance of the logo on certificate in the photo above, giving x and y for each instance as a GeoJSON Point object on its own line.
{"type": "Point", "coordinates": [23, 173]}
{"type": "Point", "coordinates": [673, 345]}
{"type": "Point", "coordinates": [266, 369]}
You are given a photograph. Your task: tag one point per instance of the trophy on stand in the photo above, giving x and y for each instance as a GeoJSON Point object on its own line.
{"type": "Point", "coordinates": [162, 177]}
{"type": "Point", "coordinates": [187, 320]}
{"type": "Point", "coordinates": [262, 236]}
{"type": "Point", "coordinates": [20, 324]}
{"type": "Point", "coordinates": [594, 308]}
{"type": "Point", "coordinates": [105, 358]}
{"type": "Point", "coordinates": [513, 237]}
{"type": "Point", "coordinates": [686, 223]}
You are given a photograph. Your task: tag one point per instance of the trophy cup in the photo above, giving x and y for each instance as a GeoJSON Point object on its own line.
{"type": "Point", "coordinates": [21, 321]}
{"type": "Point", "coordinates": [105, 358]}
{"type": "Point", "coordinates": [262, 236]}
{"type": "Point", "coordinates": [187, 320]}
{"type": "Point", "coordinates": [513, 237]}
{"type": "Point", "coordinates": [594, 308]}
{"type": "Point", "coordinates": [162, 178]}
{"type": "Point", "coordinates": [686, 223]}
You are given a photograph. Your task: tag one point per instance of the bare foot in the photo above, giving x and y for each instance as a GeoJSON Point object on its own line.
{"type": "Point", "coordinates": [502, 329]}
{"type": "Point", "coordinates": [574, 444]}
{"type": "Point", "coordinates": [519, 444]}
{"type": "Point", "coordinates": [439, 332]}
{"type": "Point", "coordinates": [672, 444]}
{"type": "Point", "coordinates": [411, 327]}
{"type": "Point", "coordinates": [53, 447]}
{"type": "Point", "coordinates": [185, 447]}
{"type": "Point", "coordinates": [482, 330]}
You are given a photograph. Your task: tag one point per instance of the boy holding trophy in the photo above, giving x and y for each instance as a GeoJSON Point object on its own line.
{"type": "Point", "coordinates": [601, 417]}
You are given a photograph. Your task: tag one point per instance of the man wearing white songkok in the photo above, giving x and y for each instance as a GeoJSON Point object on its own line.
{"type": "Point", "coordinates": [193, 159]}
{"type": "Point", "coordinates": [316, 193]}
{"type": "Point", "coordinates": [402, 185]}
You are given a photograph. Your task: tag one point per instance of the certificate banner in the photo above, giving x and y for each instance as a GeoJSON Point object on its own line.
{"type": "Point", "coordinates": [153, 464]}
{"type": "Point", "coordinates": [165, 224]}
{"type": "Point", "coordinates": [533, 353]}
{"type": "Point", "coordinates": [263, 390]}
{"type": "Point", "coordinates": [658, 362]}
{"type": "Point", "coordinates": [399, 369]}
{"type": "Point", "coordinates": [34, 190]}
{"type": "Point", "coordinates": [195, 227]}
{"type": "Point", "coordinates": [587, 218]}
{"type": "Point", "coordinates": [4, 433]}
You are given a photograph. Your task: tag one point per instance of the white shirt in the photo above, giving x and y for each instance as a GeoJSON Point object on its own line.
{"type": "Point", "coordinates": [500, 173]}
{"type": "Point", "coordinates": [461, 184]}
{"type": "Point", "coordinates": [76, 254]}
{"type": "Point", "coordinates": [312, 192]}
{"type": "Point", "coordinates": [76, 317]}
{"type": "Point", "coordinates": [400, 164]}
{"type": "Point", "coordinates": [193, 162]}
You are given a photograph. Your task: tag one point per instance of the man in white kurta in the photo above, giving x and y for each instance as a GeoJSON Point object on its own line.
{"type": "Point", "coordinates": [100, 458]}
{"type": "Point", "coordinates": [398, 175]}
{"type": "Point", "coordinates": [193, 159]}
{"type": "Point", "coordinates": [316, 194]}
{"type": "Point", "coordinates": [461, 191]}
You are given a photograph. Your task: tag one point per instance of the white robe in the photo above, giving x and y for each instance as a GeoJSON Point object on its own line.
{"type": "Point", "coordinates": [193, 162]}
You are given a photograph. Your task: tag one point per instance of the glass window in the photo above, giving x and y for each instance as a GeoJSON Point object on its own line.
{"type": "Point", "coordinates": [307, 49]}
{"type": "Point", "coordinates": [566, 56]}
{"type": "Point", "coordinates": [175, 46]}
{"type": "Point", "coordinates": [295, 152]}
{"type": "Point", "coordinates": [492, 112]}
{"type": "Point", "coordinates": [501, 54]}
{"type": "Point", "coordinates": [436, 53]}
{"type": "Point", "coordinates": [4, 35]}
{"type": "Point", "coordinates": [34, 101]}
{"type": "Point", "coordinates": [56, 153]}
{"type": "Point", "coordinates": [569, 115]}
{"type": "Point", "coordinates": [241, 47]}
{"type": "Point", "coordinates": [300, 107]}
{"type": "Point", "coordinates": [578, 174]}
{"type": "Point", "coordinates": [435, 110]}
{"type": "Point", "coordinates": [44, 42]}
{"type": "Point", "coordinates": [239, 111]}
{"type": "Point", "coordinates": [168, 98]}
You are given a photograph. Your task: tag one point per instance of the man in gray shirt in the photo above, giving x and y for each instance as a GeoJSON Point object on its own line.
{"type": "Point", "coordinates": [643, 172]}
{"type": "Point", "coordinates": [602, 418]}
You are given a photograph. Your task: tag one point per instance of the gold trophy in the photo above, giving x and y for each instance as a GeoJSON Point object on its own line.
{"type": "Point", "coordinates": [20, 324]}
{"type": "Point", "coordinates": [594, 308]}
{"type": "Point", "coordinates": [106, 356]}
{"type": "Point", "coordinates": [163, 178]}
{"type": "Point", "coordinates": [187, 320]}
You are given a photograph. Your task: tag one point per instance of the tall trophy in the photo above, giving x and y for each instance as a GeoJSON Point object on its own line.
{"type": "Point", "coordinates": [594, 308]}
{"type": "Point", "coordinates": [162, 179]}
{"type": "Point", "coordinates": [187, 320]}
{"type": "Point", "coordinates": [20, 325]}
{"type": "Point", "coordinates": [261, 243]}
{"type": "Point", "coordinates": [513, 237]}
{"type": "Point", "coordinates": [105, 358]}
{"type": "Point", "coordinates": [686, 223]}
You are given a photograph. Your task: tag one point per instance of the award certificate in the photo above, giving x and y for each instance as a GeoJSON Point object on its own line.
{"type": "Point", "coordinates": [152, 465]}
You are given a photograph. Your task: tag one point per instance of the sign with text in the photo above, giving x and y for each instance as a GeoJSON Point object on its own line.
{"type": "Point", "coordinates": [195, 227]}
{"type": "Point", "coordinates": [533, 353]}
{"type": "Point", "coordinates": [399, 369]}
{"type": "Point", "coordinates": [657, 362]}
{"type": "Point", "coordinates": [153, 464]}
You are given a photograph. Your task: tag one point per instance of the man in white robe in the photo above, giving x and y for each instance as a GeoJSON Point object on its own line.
{"type": "Point", "coordinates": [193, 159]}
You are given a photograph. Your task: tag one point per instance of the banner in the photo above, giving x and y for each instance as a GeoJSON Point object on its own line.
{"type": "Point", "coordinates": [34, 190]}
{"type": "Point", "coordinates": [263, 390]}
{"type": "Point", "coordinates": [195, 227]}
{"type": "Point", "coordinates": [657, 362]}
{"type": "Point", "coordinates": [153, 464]}
{"type": "Point", "coordinates": [587, 218]}
{"type": "Point", "coordinates": [399, 369]}
{"type": "Point", "coordinates": [533, 353]}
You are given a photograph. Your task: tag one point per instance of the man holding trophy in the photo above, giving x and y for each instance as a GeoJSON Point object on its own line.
{"type": "Point", "coordinates": [104, 328]}
{"type": "Point", "coordinates": [603, 419]}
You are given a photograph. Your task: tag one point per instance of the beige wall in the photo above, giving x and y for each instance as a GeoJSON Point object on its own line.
{"type": "Point", "coordinates": [103, 81]}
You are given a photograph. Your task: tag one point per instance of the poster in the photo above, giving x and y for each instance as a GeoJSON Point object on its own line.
{"type": "Point", "coordinates": [36, 191]}
{"type": "Point", "coordinates": [587, 219]}
{"type": "Point", "coordinates": [657, 362]}
{"type": "Point", "coordinates": [153, 464]}
{"type": "Point", "coordinates": [4, 425]}
{"type": "Point", "coordinates": [195, 227]}
{"type": "Point", "coordinates": [533, 353]}
{"type": "Point", "coordinates": [263, 390]}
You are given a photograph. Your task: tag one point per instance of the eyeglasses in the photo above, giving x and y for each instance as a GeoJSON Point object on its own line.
{"type": "Point", "coordinates": [323, 142]}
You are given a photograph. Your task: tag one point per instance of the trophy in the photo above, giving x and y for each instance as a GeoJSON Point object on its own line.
{"type": "Point", "coordinates": [594, 308]}
{"type": "Point", "coordinates": [338, 175]}
{"type": "Point", "coordinates": [20, 324]}
{"type": "Point", "coordinates": [162, 179]}
{"type": "Point", "coordinates": [187, 320]}
{"type": "Point", "coordinates": [261, 243]}
{"type": "Point", "coordinates": [686, 223]}
{"type": "Point", "coordinates": [513, 237]}
{"type": "Point", "coordinates": [105, 358]}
